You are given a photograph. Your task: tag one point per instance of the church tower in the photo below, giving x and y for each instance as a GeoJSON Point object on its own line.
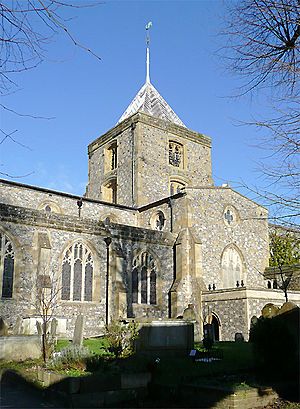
{"type": "Point", "coordinates": [149, 154]}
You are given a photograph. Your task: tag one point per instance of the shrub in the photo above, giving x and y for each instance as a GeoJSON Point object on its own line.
{"type": "Point", "coordinates": [121, 336]}
{"type": "Point", "coordinates": [71, 357]}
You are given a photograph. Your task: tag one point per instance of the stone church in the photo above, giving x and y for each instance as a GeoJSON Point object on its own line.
{"type": "Point", "coordinates": [151, 238]}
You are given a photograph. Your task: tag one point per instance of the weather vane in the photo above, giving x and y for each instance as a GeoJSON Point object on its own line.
{"type": "Point", "coordinates": [148, 26]}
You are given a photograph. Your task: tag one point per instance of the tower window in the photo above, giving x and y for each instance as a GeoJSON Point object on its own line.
{"type": "Point", "coordinates": [111, 157]}
{"type": "Point", "coordinates": [77, 273]}
{"type": "Point", "coordinates": [7, 261]}
{"type": "Point", "coordinates": [143, 279]}
{"type": "Point", "coordinates": [176, 154]}
{"type": "Point", "coordinates": [109, 191]}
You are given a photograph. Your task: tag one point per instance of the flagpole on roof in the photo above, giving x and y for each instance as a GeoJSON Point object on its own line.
{"type": "Point", "coordinates": [148, 26]}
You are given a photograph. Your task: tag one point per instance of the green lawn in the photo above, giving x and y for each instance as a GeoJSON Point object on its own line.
{"type": "Point", "coordinates": [95, 345]}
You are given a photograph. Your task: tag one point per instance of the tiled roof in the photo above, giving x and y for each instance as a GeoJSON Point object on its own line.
{"type": "Point", "coordinates": [149, 100]}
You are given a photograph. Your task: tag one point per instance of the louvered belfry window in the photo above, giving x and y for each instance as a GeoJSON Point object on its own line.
{"type": "Point", "coordinates": [77, 273]}
{"type": "Point", "coordinates": [7, 263]}
{"type": "Point", "coordinates": [143, 279]}
{"type": "Point", "coordinates": [175, 154]}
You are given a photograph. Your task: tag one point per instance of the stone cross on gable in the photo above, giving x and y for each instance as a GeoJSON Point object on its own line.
{"type": "Point", "coordinates": [228, 216]}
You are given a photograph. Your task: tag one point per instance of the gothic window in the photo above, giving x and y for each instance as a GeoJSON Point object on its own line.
{"type": "Point", "coordinates": [143, 279]}
{"type": "Point", "coordinates": [109, 191]}
{"type": "Point", "coordinates": [176, 187]}
{"type": "Point", "coordinates": [176, 154]}
{"type": "Point", "coordinates": [77, 273]}
{"type": "Point", "coordinates": [7, 261]}
{"type": "Point", "coordinates": [232, 268]}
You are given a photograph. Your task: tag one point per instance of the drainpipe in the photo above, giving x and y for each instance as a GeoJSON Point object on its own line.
{"type": "Point", "coordinates": [107, 241]}
{"type": "Point", "coordinates": [171, 214]}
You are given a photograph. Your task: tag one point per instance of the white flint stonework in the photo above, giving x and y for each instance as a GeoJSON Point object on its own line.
{"type": "Point", "coordinates": [210, 252]}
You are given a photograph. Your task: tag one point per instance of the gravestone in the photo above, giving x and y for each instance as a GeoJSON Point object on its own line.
{"type": "Point", "coordinates": [254, 320]}
{"type": "Point", "coordinates": [53, 327]}
{"type": "Point", "coordinates": [78, 330]}
{"type": "Point", "coordinates": [287, 306]}
{"type": "Point", "coordinates": [39, 328]}
{"type": "Point", "coordinates": [165, 337]}
{"type": "Point", "coordinates": [269, 311]}
{"type": "Point", "coordinates": [17, 329]}
{"type": "Point", "coordinates": [3, 328]}
{"type": "Point", "coordinates": [239, 337]}
{"type": "Point", "coordinates": [189, 313]}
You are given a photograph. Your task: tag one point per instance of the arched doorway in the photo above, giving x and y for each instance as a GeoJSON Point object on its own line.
{"type": "Point", "coordinates": [215, 328]}
{"type": "Point", "coordinates": [212, 327]}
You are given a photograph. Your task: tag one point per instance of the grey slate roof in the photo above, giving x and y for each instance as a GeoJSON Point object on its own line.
{"type": "Point", "coordinates": [149, 100]}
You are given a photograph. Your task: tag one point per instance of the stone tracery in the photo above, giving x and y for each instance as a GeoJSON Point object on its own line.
{"type": "Point", "coordinates": [144, 276]}
{"type": "Point", "coordinates": [77, 273]}
{"type": "Point", "coordinates": [7, 259]}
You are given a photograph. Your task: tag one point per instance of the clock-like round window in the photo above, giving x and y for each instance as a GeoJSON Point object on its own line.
{"type": "Point", "coordinates": [158, 220]}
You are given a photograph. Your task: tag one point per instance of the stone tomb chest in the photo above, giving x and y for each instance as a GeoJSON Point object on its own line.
{"type": "Point", "coordinates": [167, 337]}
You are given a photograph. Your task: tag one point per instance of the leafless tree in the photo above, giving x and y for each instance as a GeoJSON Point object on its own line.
{"type": "Point", "coordinates": [263, 40]}
{"type": "Point", "coordinates": [26, 28]}
{"type": "Point", "coordinates": [46, 301]}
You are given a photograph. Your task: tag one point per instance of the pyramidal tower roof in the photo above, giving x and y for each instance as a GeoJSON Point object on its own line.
{"type": "Point", "coordinates": [149, 100]}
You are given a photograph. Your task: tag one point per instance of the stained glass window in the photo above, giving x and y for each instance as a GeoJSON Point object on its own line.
{"type": "Point", "coordinates": [144, 279]}
{"type": "Point", "coordinates": [77, 273]}
{"type": "Point", "coordinates": [7, 259]}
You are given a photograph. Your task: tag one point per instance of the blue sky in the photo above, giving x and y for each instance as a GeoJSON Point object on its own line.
{"type": "Point", "coordinates": [86, 96]}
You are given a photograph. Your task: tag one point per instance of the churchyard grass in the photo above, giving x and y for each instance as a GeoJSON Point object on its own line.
{"type": "Point", "coordinates": [237, 359]}
{"type": "Point", "coordinates": [95, 345]}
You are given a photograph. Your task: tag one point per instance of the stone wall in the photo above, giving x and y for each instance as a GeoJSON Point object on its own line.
{"type": "Point", "coordinates": [203, 210]}
{"type": "Point", "coordinates": [143, 172]}
{"type": "Point", "coordinates": [20, 348]}
{"type": "Point", "coordinates": [32, 197]}
{"type": "Point", "coordinates": [230, 307]}
{"type": "Point", "coordinates": [23, 227]}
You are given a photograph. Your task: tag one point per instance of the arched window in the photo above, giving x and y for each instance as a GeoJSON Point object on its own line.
{"type": "Point", "coordinates": [143, 279]}
{"type": "Point", "coordinates": [232, 268]}
{"type": "Point", "coordinates": [7, 262]}
{"type": "Point", "coordinates": [77, 273]}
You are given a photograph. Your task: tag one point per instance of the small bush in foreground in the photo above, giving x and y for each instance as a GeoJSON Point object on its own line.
{"type": "Point", "coordinates": [120, 336]}
{"type": "Point", "coordinates": [72, 357]}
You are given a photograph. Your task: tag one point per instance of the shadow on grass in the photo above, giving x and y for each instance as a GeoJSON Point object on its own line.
{"type": "Point", "coordinates": [154, 381]}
